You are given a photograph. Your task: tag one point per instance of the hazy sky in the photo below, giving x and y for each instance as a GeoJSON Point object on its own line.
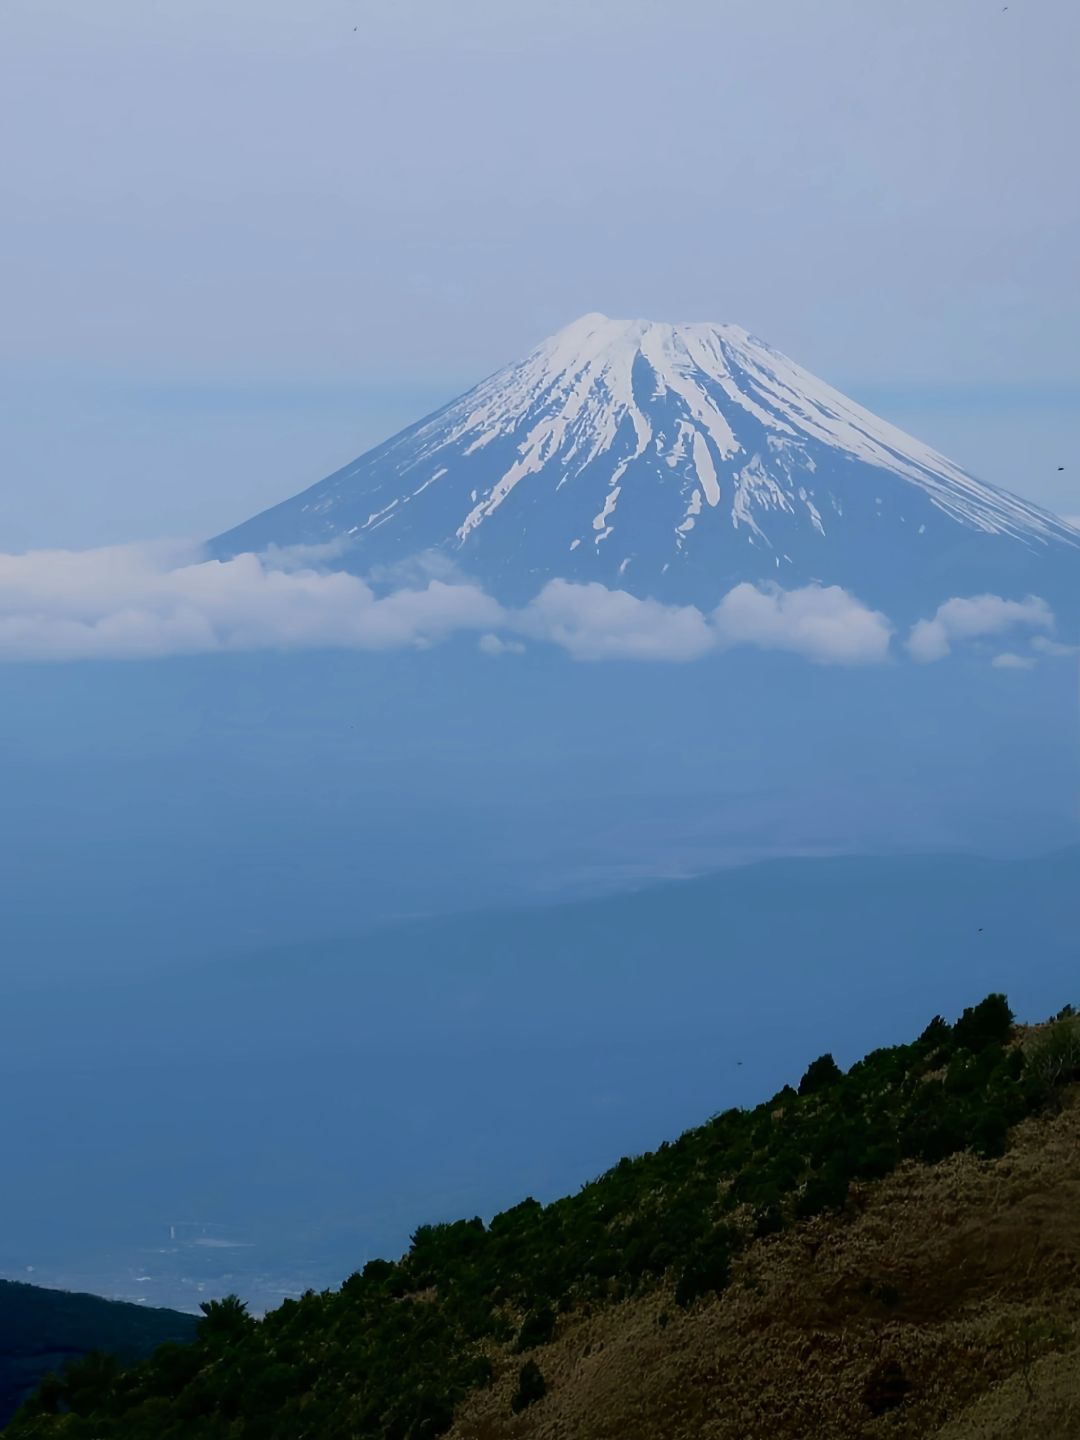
{"type": "Point", "coordinates": [243, 239]}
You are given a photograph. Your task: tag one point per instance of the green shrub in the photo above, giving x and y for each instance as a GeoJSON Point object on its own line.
{"type": "Point", "coordinates": [223, 1320]}
{"type": "Point", "coordinates": [935, 1138]}
{"type": "Point", "coordinates": [1052, 1055]}
{"type": "Point", "coordinates": [820, 1074]}
{"type": "Point", "coordinates": [536, 1329]}
{"type": "Point", "coordinates": [887, 1387]}
{"type": "Point", "coordinates": [988, 1023]}
{"type": "Point", "coordinates": [769, 1221]}
{"type": "Point", "coordinates": [531, 1387]}
{"type": "Point", "coordinates": [376, 1271]}
{"type": "Point", "coordinates": [825, 1191]}
{"type": "Point", "coordinates": [990, 1134]}
{"type": "Point", "coordinates": [708, 1267]}
{"type": "Point", "coordinates": [937, 1034]}
{"type": "Point", "coordinates": [89, 1382]}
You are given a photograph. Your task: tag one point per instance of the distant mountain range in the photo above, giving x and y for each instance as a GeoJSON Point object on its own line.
{"type": "Point", "coordinates": [674, 461]}
{"type": "Point", "coordinates": [43, 1330]}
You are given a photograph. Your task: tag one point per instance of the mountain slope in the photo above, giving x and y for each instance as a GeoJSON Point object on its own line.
{"type": "Point", "coordinates": [42, 1330]}
{"type": "Point", "coordinates": [673, 460]}
{"type": "Point", "coordinates": [802, 1269]}
{"type": "Point", "coordinates": [948, 1302]}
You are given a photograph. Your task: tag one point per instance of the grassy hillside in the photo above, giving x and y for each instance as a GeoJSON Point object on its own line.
{"type": "Point", "coordinates": [942, 1304]}
{"type": "Point", "coordinates": [42, 1330]}
{"type": "Point", "coordinates": [876, 1253]}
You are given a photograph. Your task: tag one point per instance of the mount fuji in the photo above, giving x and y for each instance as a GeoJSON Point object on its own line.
{"type": "Point", "coordinates": [675, 460]}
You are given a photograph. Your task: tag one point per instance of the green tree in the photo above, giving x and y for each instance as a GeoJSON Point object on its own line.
{"type": "Point", "coordinates": [988, 1023]}
{"type": "Point", "coordinates": [531, 1387]}
{"type": "Point", "coordinates": [224, 1319]}
{"type": "Point", "coordinates": [1052, 1055]}
{"type": "Point", "coordinates": [820, 1074]}
{"type": "Point", "coordinates": [537, 1328]}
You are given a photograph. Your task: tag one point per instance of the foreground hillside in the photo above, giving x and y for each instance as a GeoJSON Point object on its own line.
{"type": "Point", "coordinates": [943, 1305]}
{"type": "Point", "coordinates": [41, 1330]}
{"type": "Point", "coordinates": [888, 1252]}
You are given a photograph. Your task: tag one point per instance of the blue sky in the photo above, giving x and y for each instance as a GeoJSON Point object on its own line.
{"type": "Point", "coordinates": [243, 242]}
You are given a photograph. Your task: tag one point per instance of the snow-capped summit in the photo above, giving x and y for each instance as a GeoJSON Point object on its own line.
{"type": "Point", "coordinates": [671, 459]}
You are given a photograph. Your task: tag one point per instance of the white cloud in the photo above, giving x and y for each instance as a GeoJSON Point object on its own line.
{"type": "Point", "coordinates": [142, 601]}
{"type": "Point", "coordinates": [972, 617]}
{"type": "Point", "coordinates": [591, 622]}
{"type": "Point", "coordinates": [1008, 660]}
{"type": "Point", "coordinates": [302, 557]}
{"type": "Point", "coordinates": [1045, 646]}
{"type": "Point", "coordinates": [417, 570]}
{"type": "Point", "coordinates": [822, 623]}
{"type": "Point", "coordinates": [495, 645]}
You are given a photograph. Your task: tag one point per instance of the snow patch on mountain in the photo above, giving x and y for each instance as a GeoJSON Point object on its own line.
{"type": "Point", "coordinates": [578, 398]}
{"type": "Point", "coordinates": [659, 452]}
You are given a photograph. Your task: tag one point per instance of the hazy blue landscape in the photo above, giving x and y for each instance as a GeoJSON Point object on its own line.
{"type": "Point", "coordinates": [539, 743]}
{"type": "Point", "coordinates": [191, 806]}
{"type": "Point", "coordinates": [288, 1004]}
{"type": "Point", "coordinates": [272, 1120]}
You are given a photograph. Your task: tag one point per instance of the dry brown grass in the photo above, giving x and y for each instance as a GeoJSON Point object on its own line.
{"type": "Point", "coordinates": [963, 1279]}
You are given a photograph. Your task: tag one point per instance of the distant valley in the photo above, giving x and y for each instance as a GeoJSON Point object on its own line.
{"type": "Point", "coordinates": [308, 1101]}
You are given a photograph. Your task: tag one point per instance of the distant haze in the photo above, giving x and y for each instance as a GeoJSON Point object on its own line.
{"type": "Point", "coordinates": [242, 243]}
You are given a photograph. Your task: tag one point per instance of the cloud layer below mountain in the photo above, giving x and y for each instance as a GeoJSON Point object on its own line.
{"type": "Point", "coordinates": [972, 618]}
{"type": "Point", "coordinates": [144, 601]}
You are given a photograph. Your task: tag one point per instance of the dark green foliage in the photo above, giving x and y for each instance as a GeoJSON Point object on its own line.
{"type": "Point", "coordinates": [393, 1353]}
{"type": "Point", "coordinates": [708, 1266]}
{"type": "Point", "coordinates": [883, 1291]}
{"type": "Point", "coordinates": [224, 1320]}
{"type": "Point", "coordinates": [990, 1134]}
{"type": "Point", "coordinates": [988, 1023]}
{"type": "Point", "coordinates": [936, 1034]}
{"type": "Point", "coordinates": [531, 1387]}
{"type": "Point", "coordinates": [90, 1383]}
{"type": "Point", "coordinates": [378, 1270]}
{"type": "Point", "coordinates": [537, 1328]}
{"type": "Point", "coordinates": [1053, 1055]}
{"type": "Point", "coordinates": [827, 1190]}
{"type": "Point", "coordinates": [887, 1387]}
{"type": "Point", "coordinates": [822, 1073]}
{"type": "Point", "coordinates": [43, 1330]}
{"type": "Point", "coordinates": [768, 1221]}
